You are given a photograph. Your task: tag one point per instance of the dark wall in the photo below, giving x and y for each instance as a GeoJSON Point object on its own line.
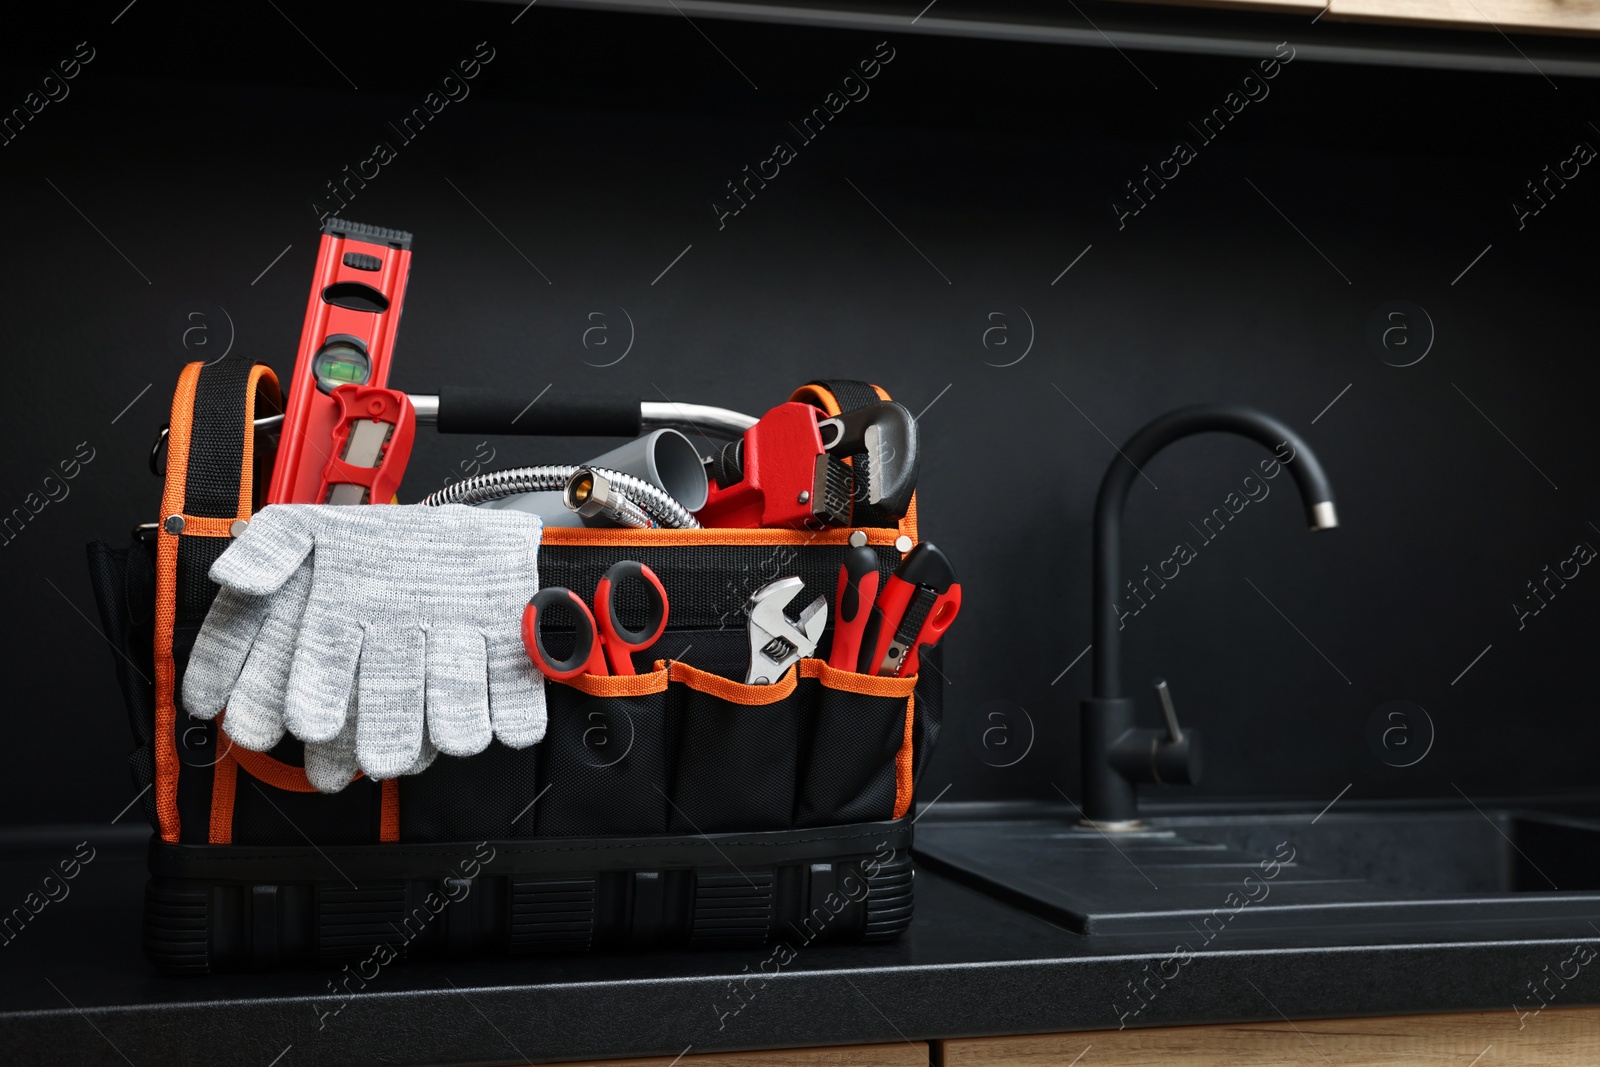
{"type": "Point", "coordinates": [193, 145]}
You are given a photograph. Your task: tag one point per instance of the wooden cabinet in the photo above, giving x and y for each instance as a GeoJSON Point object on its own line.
{"type": "Point", "coordinates": [1508, 16]}
{"type": "Point", "coordinates": [1553, 1038]}
{"type": "Point", "coordinates": [899, 1054]}
{"type": "Point", "coordinates": [1556, 1037]}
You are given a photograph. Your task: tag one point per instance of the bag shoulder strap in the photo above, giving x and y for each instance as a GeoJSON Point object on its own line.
{"type": "Point", "coordinates": [210, 486]}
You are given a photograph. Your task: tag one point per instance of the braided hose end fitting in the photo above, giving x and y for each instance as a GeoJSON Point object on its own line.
{"type": "Point", "coordinates": [589, 493]}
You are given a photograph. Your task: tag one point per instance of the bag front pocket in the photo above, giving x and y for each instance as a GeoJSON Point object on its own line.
{"type": "Point", "coordinates": [860, 748]}
{"type": "Point", "coordinates": [738, 752]}
{"type": "Point", "coordinates": [604, 756]}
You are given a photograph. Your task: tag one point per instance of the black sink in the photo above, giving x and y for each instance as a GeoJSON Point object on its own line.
{"type": "Point", "coordinates": [1198, 871]}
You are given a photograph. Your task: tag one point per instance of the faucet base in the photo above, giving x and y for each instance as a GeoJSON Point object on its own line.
{"type": "Point", "coordinates": [1108, 795]}
{"type": "Point", "coordinates": [1112, 826]}
{"type": "Point", "coordinates": [1117, 755]}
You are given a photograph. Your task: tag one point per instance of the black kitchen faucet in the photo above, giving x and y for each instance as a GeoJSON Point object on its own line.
{"type": "Point", "coordinates": [1116, 754]}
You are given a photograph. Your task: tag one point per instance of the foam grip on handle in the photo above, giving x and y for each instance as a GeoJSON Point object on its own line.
{"type": "Point", "coordinates": [467, 409]}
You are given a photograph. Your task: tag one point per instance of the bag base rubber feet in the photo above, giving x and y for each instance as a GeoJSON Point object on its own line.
{"type": "Point", "coordinates": [220, 908]}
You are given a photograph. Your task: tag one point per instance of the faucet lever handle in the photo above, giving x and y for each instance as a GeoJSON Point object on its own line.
{"type": "Point", "coordinates": [1174, 731]}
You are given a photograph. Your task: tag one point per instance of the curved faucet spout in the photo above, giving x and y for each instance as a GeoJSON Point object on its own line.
{"type": "Point", "coordinates": [1107, 723]}
{"type": "Point", "coordinates": [1302, 464]}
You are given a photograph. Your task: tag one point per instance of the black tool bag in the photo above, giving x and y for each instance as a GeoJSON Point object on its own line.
{"type": "Point", "coordinates": [676, 806]}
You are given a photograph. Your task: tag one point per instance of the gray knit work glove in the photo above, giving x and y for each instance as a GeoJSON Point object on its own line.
{"type": "Point", "coordinates": [240, 664]}
{"type": "Point", "coordinates": [416, 610]}
{"type": "Point", "coordinates": [241, 660]}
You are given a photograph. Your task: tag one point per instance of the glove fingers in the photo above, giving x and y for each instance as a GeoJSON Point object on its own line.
{"type": "Point", "coordinates": [255, 710]}
{"type": "Point", "coordinates": [425, 758]}
{"type": "Point", "coordinates": [255, 718]}
{"type": "Point", "coordinates": [516, 691]}
{"type": "Point", "coordinates": [267, 553]}
{"type": "Point", "coordinates": [391, 692]}
{"type": "Point", "coordinates": [220, 651]}
{"type": "Point", "coordinates": [458, 691]}
{"type": "Point", "coordinates": [331, 765]}
{"type": "Point", "coordinates": [322, 680]}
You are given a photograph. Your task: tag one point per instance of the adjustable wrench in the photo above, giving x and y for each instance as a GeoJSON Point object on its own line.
{"type": "Point", "coordinates": [776, 641]}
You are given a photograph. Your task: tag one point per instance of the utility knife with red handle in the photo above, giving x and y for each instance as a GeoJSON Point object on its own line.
{"type": "Point", "coordinates": [918, 603]}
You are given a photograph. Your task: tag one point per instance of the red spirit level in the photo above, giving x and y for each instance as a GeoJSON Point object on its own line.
{"type": "Point", "coordinates": [348, 339]}
{"type": "Point", "coordinates": [371, 443]}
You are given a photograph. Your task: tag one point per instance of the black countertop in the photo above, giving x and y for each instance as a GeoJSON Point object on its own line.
{"type": "Point", "coordinates": [74, 987]}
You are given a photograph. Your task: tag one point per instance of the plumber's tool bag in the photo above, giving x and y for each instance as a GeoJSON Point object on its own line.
{"type": "Point", "coordinates": [677, 806]}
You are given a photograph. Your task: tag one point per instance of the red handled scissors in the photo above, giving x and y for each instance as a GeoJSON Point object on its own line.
{"type": "Point", "coordinates": [601, 637]}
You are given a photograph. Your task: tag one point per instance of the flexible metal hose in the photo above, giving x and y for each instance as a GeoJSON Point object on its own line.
{"type": "Point", "coordinates": [492, 485]}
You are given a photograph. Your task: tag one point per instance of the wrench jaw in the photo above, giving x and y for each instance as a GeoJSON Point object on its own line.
{"type": "Point", "coordinates": [813, 620]}
{"type": "Point", "coordinates": [776, 641]}
{"type": "Point", "coordinates": [769, 662]}
{"type": "Point", "coordinates": [887, 433]}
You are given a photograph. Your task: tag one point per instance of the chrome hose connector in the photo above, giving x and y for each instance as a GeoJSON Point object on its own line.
{"type": "Point", "coordinates": [589, 493]}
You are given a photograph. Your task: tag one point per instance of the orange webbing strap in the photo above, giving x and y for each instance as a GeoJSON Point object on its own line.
{"type": "Point", "coordinates": [166, 742]}
{"type": "Point", "coordinates": [903, 763]}
{"type": "Point", "coordinates": [173, 498]}
{"type": "Point", "coordinates": [273, 772]}
{"type": "Point", "coordinates": [280, 775]}
{"type": "Point", "coordinates": [734, 692]}
{"type": "Point", "coordinates": [621, 685]}
{"type": "Point", "coordinates": [868, 685]}
{"type": "Point", "coordinates": [389, 815]}
{"type": "Point", "coordinates": [224, 780]}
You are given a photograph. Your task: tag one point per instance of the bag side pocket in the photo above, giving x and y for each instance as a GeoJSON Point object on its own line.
{"type": "Point", "coordinates": [604, 757]}
{"type": "Point", "coordinates": [739, 754]}
{"type": "Point", "coordinates": [852, 769]}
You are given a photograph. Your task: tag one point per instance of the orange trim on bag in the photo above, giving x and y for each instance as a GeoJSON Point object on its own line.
{"type": "Point", "coordinates": [733, 692]}
{"type": "Point", "coordinates": [816, 396]}
{"type": "Point", "coordinates": [224, 780]}
{"type": "Point", "coordinates": [876, 686]}
{"type": "Point", "coordinates": [174, 492]}
{"type": "Point", "coordinates": [903, 763]}
{"type": "Point", "coordinates": [273, 772]}
{"type": "Point", "coordinates": [173, 495]}
{"type": "Point", "coordinates": [620, 685]}
{"type": "Point", "coordinates": [166, 713]}
{"type": "Point", "coordinates": [908, 524]}
{"type": "Point", "coordinates": [867, 685]}
{"type": "Point", "coordinates": [389, 813]}
{"type": "Point", "coordinates": [202, 526]}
